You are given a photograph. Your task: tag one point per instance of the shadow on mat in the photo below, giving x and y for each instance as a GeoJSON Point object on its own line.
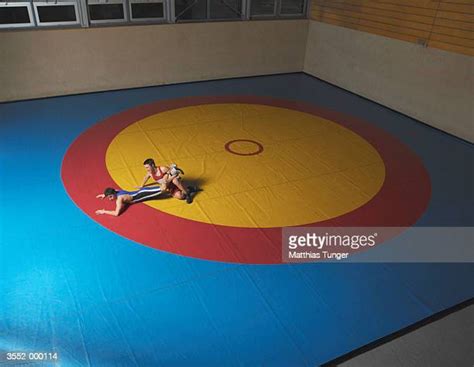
{"type": "Point", "coordinates": [197, 183]}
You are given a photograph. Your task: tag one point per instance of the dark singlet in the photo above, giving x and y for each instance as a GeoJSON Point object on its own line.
{"type": "Point", "coordinates": [145, 193]}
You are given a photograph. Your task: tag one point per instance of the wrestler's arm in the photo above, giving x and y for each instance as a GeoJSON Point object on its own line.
{"type": "Point", "coordinates": [147, 177]}
{"type": "Point", "coordinates": [164, 169]}
{"type": "Point", "coordinates": [100, 196]}
{"type": "Point", "coordinates": [118, 208]}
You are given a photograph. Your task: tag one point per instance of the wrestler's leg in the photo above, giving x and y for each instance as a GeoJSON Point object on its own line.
{"type": "Point", "coordinates": [178, 195]}
{"type": "Point", "coordinates": [146, 193]}
{"type": "Point", "coordinates": [177, 182]}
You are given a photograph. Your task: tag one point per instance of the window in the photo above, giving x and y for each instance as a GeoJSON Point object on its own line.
{"type": "Point", "coordinates": [58, 13]}
{"type": "Point", "coordinates": [34, 13]}
{"type": "Point", "coordinates": [190, 9]}
{"type": "Point", "coordinates": [263, 8]}
{"type": "Point", "coordinates": [14, 15]}
{"type": "Point", "coordinates": [106, 12]}
{"type": "Point", "coordinates": [225, 9]}
{"type": "Point", "coordinates": [292, 7]}
{"type": "Point", "coordinates": [208, 9]}
{"type": "Point", "coordinates": [277, 8]}
{"type": "Point", "coordinates": [141, 10]}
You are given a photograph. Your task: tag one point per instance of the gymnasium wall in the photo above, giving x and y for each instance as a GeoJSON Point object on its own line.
{"type": "Point", "coordinates": [40, 63]}
{"type": "Point", "coordinates": [429, 84]}
{"type": "Point", "coordinates": [442, 24]}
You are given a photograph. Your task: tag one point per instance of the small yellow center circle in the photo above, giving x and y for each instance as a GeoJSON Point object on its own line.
{"type": "Point", "coordinates": [288, 167]}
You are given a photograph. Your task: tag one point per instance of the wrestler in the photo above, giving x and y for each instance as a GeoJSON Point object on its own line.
{"type": "Point", "coordinates": [124, 198]}
{"type": "Point", "coordinates": [169, 179]}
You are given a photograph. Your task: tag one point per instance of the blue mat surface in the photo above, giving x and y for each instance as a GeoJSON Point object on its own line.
{"type": "Point", "coordinates": [71, 286]}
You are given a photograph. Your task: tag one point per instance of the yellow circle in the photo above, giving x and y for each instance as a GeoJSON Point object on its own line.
{"type": "Point", "coordinates": [310, 170]}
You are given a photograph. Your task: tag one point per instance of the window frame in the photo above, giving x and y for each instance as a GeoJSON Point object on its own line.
{"type": "Point", "coordinates": [163, 19]}
{"type": "Point", "coordinates": [200, 20]}
{"type": "Point", "coordinates": [294, 15]}
{"type": "Point", "coordinates": [277, 12]}
{"type": "Point", "coordinates": [264, 16]}
{"type": "Point", "coordinates": [82, 13]}
{"type": "Point", "coordinates": [18, 4]}
{"type": "Point", "coordinates": [92, 22]}
{"type": "Point", "coordinates": [37, 4]}
{"type": "Point", "coordinates": [208, 18]}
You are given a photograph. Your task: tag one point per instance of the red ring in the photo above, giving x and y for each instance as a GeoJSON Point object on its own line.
{"type": "Point", "coordinates": [258, 151]}
{"type": "Point", "coordinates": [402, 199]}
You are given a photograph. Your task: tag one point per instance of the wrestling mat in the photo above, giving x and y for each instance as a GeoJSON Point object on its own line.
{"type": "Point", "coordinates": [172, 284]}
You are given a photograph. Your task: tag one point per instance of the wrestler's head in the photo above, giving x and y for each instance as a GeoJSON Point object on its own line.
{"type": "Point", "coordinates": [110, 193]}
{"type": "Point", "coordinates": [150, 165]}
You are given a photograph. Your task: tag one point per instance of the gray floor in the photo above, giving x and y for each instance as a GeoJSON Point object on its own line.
{"type": "Point", "coordinates": [448, 342]}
